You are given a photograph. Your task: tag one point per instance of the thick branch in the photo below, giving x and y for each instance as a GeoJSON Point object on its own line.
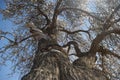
{"type": "Point", "coordinates": [73, 32]}
{"type": "Point", "coordinates": [83, 11]}
{"type": "Point", "coordinates": [76, 47]}
{"type": "Point", "coordinates": [56, 12]}
{"type": "Point", "coordinates": [52, 27]}
{"type": "Point", "coordinates": [108, 23]}
{"type": "Point", "coordinates": [107, 51]}
{"type": "Point", "coordinates": [99, 38]}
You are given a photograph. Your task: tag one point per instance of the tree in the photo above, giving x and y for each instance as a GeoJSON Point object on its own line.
{"type": "Point", "coordinates": [51, 31]}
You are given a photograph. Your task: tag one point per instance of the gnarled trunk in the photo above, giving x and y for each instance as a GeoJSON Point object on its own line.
{"type": "Point", "coordinates": [55, 65]}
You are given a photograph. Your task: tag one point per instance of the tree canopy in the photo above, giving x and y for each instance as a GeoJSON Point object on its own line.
{"type": "Point", "coordinates": [87, 29]}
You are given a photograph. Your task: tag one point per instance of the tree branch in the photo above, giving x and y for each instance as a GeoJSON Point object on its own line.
{"type": "Point", "coordinates": [14, 43]}
{"type": "Point", "coordinates": [108, 23]}
{"type": "Point", "coordinates": [106, 51]}
{"type": "Point", "coordinates": [27, 38]}
{"type": "Point", "coordinates": [99, 38]}
{"type": "Point", "coordinates": [73, 32]}
{"type": "Point", "coordinates": [54, 19]}
{"type": "Point", "coordinates": [117, 20]}
{"type": "Point", "coordinates": [7, 38]}
{"type": "Point", "coordinates": [76, 47]}
{"type": "Point", "coordinates": [83, 11]}
{"type": "Point", "coordinates": [52, 27]}
{"type": "Point", "coordinates": [42, 13]}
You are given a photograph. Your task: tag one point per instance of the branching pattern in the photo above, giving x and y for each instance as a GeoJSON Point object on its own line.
{"type": "Point", "coordinates": [39, 26]}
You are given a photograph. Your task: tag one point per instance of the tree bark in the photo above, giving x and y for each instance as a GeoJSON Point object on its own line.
{"type": "Point", "coordinates": [55, 65]}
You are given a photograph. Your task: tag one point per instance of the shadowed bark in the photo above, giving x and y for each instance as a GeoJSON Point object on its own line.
{"type": "Point", "coordinates": [55, 65]}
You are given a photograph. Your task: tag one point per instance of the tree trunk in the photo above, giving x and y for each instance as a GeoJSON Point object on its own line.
{"type": "Point", "coordinates": [55, 65]}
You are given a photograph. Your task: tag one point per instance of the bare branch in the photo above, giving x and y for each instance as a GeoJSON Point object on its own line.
{"type": "Point", "coordinates": [6, 38]}
{"type": "Point", "coordinates": [56, 12]}
{"type": "Point", "coordinates": [117, 20]}
{"type": "Point", "coordinates": [83, 11]}
{"type": "Point", "coordinates": [76, 47]}
{"type": "Point", "coordinates": [3, 49]}
{"type": "Point", "coordinates": [52, 27]}
{"type": "Point", "coordinates": [14, 43]}
{"type": "Point", "coordinates": [106, 51]}
{"type": "Point", "coordinates": [27, 38]}
{"type": "Point", "coordinates": [42, 13]}
{"type": "Point", "coordinates": [99, 38]}
{"type": "Point", "coordinates": [73, 32]}
{"type": "Point", "coordinates": [108, 23]}
{"type": "Point", "coordinates": [5, 33]}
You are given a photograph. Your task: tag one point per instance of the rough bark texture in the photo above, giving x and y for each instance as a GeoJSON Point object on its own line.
{"type": "Point", "coordinates": [55, 65]}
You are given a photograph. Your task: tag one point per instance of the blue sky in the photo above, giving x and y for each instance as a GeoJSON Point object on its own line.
{"type": "Point", "coordinates": [6, 25]}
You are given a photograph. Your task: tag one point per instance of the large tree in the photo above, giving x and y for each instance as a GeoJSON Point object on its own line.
{"type": "Point", "coordinates": [63, 39]}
